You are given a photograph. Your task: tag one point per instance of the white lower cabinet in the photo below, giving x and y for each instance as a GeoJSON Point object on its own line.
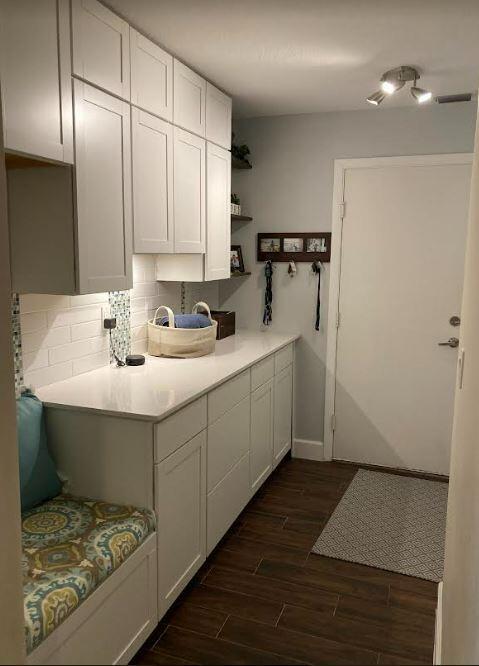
{"type": "Point", "coordinates": [283, 405]}
{"type": "Point", "coordinates": [261, 452]}
{"type": "Point", "coordinates": [180, 500]}
{"type": "Point", "coordinates": [234, 436]}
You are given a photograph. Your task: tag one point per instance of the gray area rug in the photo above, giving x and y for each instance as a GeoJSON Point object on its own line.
{"type": "Point", "coordinates": [389, 522]}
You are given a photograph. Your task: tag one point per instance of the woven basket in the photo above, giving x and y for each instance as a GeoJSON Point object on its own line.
{"type": "Point", "coordinates": [181, 342]}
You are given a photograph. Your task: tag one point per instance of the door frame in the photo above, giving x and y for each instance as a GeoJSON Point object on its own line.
{"type": "Point", "coordinates": [338, 214]}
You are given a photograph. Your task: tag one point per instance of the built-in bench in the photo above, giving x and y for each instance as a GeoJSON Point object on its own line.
{"type": "Point", "coordinates": [89, 580]}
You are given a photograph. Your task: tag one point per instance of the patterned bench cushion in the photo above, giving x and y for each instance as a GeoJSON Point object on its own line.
{"type": "Point", "coordinates": [70, 545]}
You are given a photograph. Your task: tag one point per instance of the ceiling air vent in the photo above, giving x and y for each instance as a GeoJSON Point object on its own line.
{"type": "Point", "coordinates": [449, 99]}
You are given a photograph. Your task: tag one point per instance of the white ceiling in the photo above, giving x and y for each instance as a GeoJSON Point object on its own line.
{"type": "Point", "coordinates": [300, 56]}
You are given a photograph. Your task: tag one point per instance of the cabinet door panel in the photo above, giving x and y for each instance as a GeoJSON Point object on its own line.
{"type": "Point", "coordinates": [152, 164]}
{"type": "Point", "coordinates": [151, 76]}
{"type": "Point", "coordinates": [180, 491]}
{"type": "Point", "coordinates": [36, 78]}
{"type": "Point", "coordinates": [189, 192]}
{"type": "Point", "coordinates": [283, 405]}
{"type": "Point", "coordinates": [218, 116]}
{"type": "Point", "coordinates": [261, 452]}
{"type": "Point", "coordinates": [189, 99]}
{"type": "Point", "coordinates": [101, 49]}
{"type": "Point", "coordinates": [227, 500]}
{"type": "Point", "coordinates": [228, 441]}
{"type": "Point", "coordinates": [103, 180]}
{"type": "Point", "coordinates": [218, 217]}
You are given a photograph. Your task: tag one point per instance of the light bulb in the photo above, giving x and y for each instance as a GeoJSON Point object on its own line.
{"type": "Point", "coordinates": [420, 95]}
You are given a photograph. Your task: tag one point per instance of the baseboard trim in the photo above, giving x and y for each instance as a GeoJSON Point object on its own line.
{"type": "Point", "coordinates": [438, 633]}
{"type": "Point", "coordinates": [308, 449]}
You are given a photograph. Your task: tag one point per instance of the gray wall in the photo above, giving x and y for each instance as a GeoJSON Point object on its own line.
{"type": "Point", "coordinates": [290, 188]}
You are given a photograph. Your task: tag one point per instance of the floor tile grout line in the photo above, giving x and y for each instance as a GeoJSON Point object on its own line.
{"type": "Point", "coordinates": [280, 615]}
{"type": "Point", "coordinates": [221, 628]}
{"type": "Point", "coordinates": [226, 640]}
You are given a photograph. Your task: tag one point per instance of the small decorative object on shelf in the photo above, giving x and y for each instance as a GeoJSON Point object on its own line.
{"type": "Point", "coordinates": [239, 155]}
{"type": "Point", "coordinates": [235, 204]}
{"type": "Point", "coordinates": [236, 260]}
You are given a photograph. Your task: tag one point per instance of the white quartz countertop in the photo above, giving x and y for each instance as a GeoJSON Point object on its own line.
{"type": "Point", "coordinates": [162, 385]}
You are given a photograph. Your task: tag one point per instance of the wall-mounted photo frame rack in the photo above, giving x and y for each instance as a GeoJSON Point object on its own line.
{"type": "Point", "coordinates": [303, 246]}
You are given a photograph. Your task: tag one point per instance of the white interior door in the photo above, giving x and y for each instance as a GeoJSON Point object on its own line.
{"type": "Point", "coordinates": [402, 263]}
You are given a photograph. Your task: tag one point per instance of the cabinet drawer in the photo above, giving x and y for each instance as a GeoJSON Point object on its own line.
{"type": "Point", "coordinates": [262, 372]}
{"type": "Point", "coordinates": [228, 441]}
{"type": "Point", "coordinates": [226, 396]}
{"type": "Point", "coordinates": [178, 428]}
{"type": "Point", "coordinates": [226, 501]}
{"type": "Point", "coordinates": [283, 358]}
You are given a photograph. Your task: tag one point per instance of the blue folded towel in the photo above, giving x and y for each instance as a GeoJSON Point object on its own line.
{"type": "Point", "coordinates": [186, 321]}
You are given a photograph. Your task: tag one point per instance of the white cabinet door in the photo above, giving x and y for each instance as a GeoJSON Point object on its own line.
{"type": "Point", "coordinates": [36, 78]}
{"type": "Point", "coordinates": [189, 192]}
{"type": "Point", "coordinates": [180, 502]}
{"type": "Point", "coordinates": [261, 452]}
{"type": "Point", "coordinates": [152, 171]}
{"type": "Point", "coordinates": [101, 49]}
{"type": "Point", "coordinates": [151, 76]}
{"type": "Point", "coordinates": [283, 407]}
{"type": "Point", "coordinates": [189, 109]}
{"type": "Point", "coordinates": [218, 116]}
{"type": "Point", "coordinates": [103, 182]}
{"type": "Point", "coordinates": [218, 216]}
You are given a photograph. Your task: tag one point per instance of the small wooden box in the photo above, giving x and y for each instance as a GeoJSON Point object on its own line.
{"type": "Point", "coordinates": [226, 323]}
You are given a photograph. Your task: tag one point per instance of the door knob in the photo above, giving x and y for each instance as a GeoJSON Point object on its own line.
{"type": "Point", "coordinates": [452, 342]}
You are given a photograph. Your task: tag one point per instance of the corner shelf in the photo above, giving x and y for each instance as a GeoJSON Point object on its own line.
{"type": "Point", "coordinates": [241, 218]}
{"type": "Point", "coordinates": [239, 275]}
{"type": "Point", "coordinates": [240, 164]}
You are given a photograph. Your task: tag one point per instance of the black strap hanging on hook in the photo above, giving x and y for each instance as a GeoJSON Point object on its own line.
{"type": "Point", "coordinates": [268, 294]}
{"type": "Point", "coordinates": [316, 267]}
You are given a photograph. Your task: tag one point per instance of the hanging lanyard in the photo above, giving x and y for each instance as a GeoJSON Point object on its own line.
{"type": "Point", "coordinates": [268, 294]}
{"type": "Point", "coordinates": [316, 266]}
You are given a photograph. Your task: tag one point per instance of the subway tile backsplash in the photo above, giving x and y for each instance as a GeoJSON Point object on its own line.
{"type": "Point", "coordinates": [57, 337]}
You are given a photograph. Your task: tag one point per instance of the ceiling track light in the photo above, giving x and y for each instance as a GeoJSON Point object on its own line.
{"type": "Point", "coordinates": [395, 79]}
{"type": "Point", "coordinates": [376, 98]}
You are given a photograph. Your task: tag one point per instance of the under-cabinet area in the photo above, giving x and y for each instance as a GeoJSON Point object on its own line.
{"type": "Point", "coordinates": [113, 146]}
{"type": "Point", "coordinates": [217, 450]}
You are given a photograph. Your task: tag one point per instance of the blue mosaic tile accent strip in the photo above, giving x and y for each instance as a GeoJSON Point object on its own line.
{"type": "Point", "coordinates": [119, 302]}
{"type": "Point", "coordinates": [17, 344]}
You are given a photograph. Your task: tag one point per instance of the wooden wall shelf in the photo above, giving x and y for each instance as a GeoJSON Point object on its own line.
{"type": "Point", "coordinates": [241, 218]}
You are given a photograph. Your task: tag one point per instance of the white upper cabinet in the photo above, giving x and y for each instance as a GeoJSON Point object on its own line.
{"type": "Point", "coordinates": [101, 50]}
{"type": "Point", "coordinates": [152, 164]}
{"type": "Point", "coordinates": [189, 192]}
{"type": "Point", "coordinates": [151, 76]}
{"type": "Point", "coordinates": [218, 116]}
{"type": "Point", "coordinates": [218, 220]}
{"type": "Point", "coordinates": [189, 99]}
{"type": "Point", "coordinates": [103, 180]}
{"type": "Point", "coordinates": [36, 78]}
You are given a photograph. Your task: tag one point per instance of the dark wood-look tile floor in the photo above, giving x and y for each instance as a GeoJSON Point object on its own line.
{"type": "Point", "coordinates": [263, 598]}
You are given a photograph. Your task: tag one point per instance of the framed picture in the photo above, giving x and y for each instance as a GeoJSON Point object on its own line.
{"type": "Point", "coordinates": [270, 245]}
{"type": "Point", "coordinates": [298, 246]}
{"type": "Point", "coordinates": [236, 259]}
{"type": "Point", "coordinates": [292, 245]}
{"type": "Point", "coordinates": [316, 245]}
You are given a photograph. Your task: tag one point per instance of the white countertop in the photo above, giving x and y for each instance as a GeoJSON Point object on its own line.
{"type": "Point", "coordinates": [162, 385]}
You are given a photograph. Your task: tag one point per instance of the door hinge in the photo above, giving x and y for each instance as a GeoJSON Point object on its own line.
{"type": "Point", "coordinates": [342, 210]}
{"type": "Point", "coordinates": [333, 422]}
{"type": "Point", "coordinates": [338, 319]}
